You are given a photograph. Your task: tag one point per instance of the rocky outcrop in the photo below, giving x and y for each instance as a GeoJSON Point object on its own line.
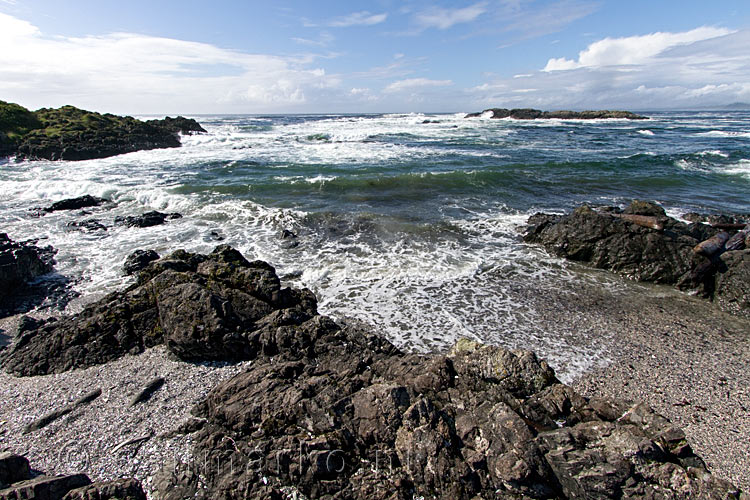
{"type": "Point", "coordinates": [21, 262]}
{"type": "Point", "coordinates": [349, 416]}
{"type": "Point", "coordinates": [203, 307]}
{"type": "Point", "coordinates": [69, 133]}
{"type": "Point", "coordinates": [668, 252]}
{"type": "Point", "coordinates": [17, 482]}
{"type": "Point", "coordinates": [535, 114]}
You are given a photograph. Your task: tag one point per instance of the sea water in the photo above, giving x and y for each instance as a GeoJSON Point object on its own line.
{"type": "Point", "coordinates": [408, 222]}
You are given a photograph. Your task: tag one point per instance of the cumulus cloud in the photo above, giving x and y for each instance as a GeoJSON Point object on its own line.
{"type": "Point", "coordinates": [445, 18]}
{"type": "Point", "coordinates": [364, 18]}
{"type": "Point", "coordinates": [125, 72]}
{"type": "Point", "coordinates": [632, 50]}
{"type": "Point", "coordinates": [701, 67]}
{"type": "Point", "coordinates": [411, 84]}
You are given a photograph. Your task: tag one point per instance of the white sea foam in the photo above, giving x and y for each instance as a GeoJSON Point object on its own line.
{"type": "Point", "coordinates": [724, 133]}
{"type": "Point", "coordinates": [713, 152]}
{"type": "Point", "coordinates": [645, 132]}
{"type": "Point", "coordinates": [741, 168]}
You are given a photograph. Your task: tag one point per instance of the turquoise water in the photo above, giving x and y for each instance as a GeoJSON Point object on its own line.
{"type": "Point", "coordinates": [409, 222]}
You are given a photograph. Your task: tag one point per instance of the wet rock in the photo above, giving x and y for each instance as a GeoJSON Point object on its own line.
{"type": "Point", "coordinates": [148, 219]}
{"type": "Point", "coordinates": [75, 203]}
{"type": "Point", "coordinates": [21, 262]}
{"type": "Point", "coordinates": [214, 235]}
{"type": "Point", "coordinates": [90, 225]}
{"type": "Point", "coordinates": [289, 239]}
{"type": "Point", "coordinates": [138, 260]}
{"type": "Point", "coordinates": [640, 207]}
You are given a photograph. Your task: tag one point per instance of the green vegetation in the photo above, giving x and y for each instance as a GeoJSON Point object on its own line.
{"type": "Point", "coordinates": [69, 133]}
{"type": "Point", "coordinates": [15, 122]}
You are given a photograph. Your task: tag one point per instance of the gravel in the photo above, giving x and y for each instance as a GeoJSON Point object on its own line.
{"type": "Point", "coordinates": [90, 439]}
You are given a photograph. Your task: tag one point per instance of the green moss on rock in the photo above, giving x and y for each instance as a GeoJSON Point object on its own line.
{"type": "Point", "coordinates": [70, 133]}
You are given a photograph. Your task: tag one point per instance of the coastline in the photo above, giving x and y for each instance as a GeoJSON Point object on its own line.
{"type": "Point", "coordinates": [677, 353]}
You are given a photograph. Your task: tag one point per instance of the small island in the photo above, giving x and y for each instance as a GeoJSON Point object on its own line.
{"type": "Point", "coordinates": [535, 114]}
{"type": "Point", "coordinates": [70, 133]}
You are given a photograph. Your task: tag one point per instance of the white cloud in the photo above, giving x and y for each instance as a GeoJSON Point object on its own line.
{"type": "Point", "coordinates": [632, 50]}
{"type": "Point", "coordinates": [363, 18]}
{"type": "Point", "coordinates": [324, 39]}
{"type": "Point", "coordinates": [415, 83]}
{"type": "Point", "coordinates": [445, 18]}
{"type": "Point", "coordinates": [696, 68]}
{"type": "Point", "coordinates": [130, 73]}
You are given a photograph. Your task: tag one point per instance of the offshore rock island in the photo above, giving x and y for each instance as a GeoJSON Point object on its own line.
{"type": "Point", "coordinates": [535, 114]}
{"type": "Point", "coordinates": [69, 133]}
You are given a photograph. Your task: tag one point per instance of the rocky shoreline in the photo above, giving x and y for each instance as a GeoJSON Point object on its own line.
{"type": "Point", "coordinates": [326, 408]}
{"type": "Point", "coordinates": [69, 133]}
{"type": "Point", "coordinates": [641, 242]}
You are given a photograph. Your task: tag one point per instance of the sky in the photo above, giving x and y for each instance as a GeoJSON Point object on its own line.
{"type": "Point", "coordinates": [279, 56]}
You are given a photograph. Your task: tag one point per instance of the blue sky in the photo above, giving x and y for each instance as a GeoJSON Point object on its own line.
{"type": "Point", "coordinates": [279, 56]}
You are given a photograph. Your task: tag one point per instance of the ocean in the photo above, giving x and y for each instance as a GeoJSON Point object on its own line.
{"type": "Point", "coordinates": [408, 222]}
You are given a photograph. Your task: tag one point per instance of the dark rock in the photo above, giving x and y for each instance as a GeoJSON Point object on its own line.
{"type": "Point", "coordinates": [21, 262]}
{"type": "Point", "coordinates": [179, 125]}
{"type": "Point", "coordinates": [13, 468]}
{"type": "Point", "coordinates": [639, 207]}
{"type": "Point", "coordinates": [56, 414]}
{"type": "Point", "coordinates": [90, 225]}
{"type": "Point", "coordinates": [146, 393]}
{"type": "Point", "coordinates": [16, 483]}
{"type": "Point", "coordinates": [215, 235]}
{"type": "Point", "coordinates": [290, 239]}
{"type": "Point", "coordinates": [203, 307]}
{"type": "Point", "coordinates": [75, 203]}
{"type": "Point", "coordinates": [534, 114]}
{"type": "Point", "coordinates": [138, 260]}
{"type": "Point", "coordinates": [673, 255]}
{"type": "Point", "coordinates": [119, 489]}
{"type": "Point", "coordinates": [147, 219]}
{"type": "Point", "coordinates": [44, 487]}
{"type": "Point", "coordinates": [732, 291]}
{"type": "Point", "coordinates": [525, 114]}
{"type": "Point", "coordinates": [612, 243]}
